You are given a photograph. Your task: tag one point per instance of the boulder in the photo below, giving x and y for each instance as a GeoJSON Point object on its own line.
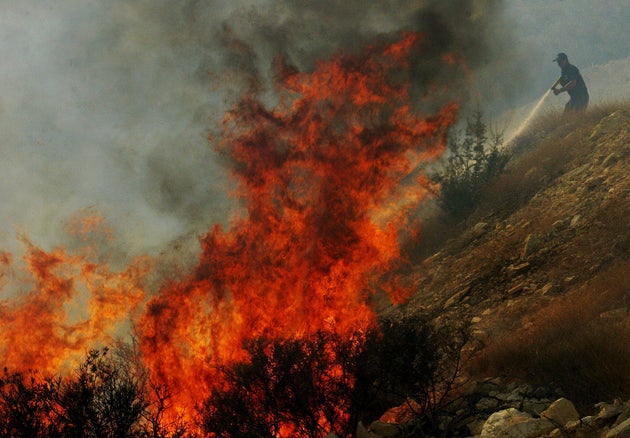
{"type": "Point", "coordinates": [380, 428]}
{"type": "Point", "coordinates": [532, 244]}
{"type": "Point", "coordinates": [479, 229]}
{"type": "Point", "coordinates": [620, 431]}
{"type": "Point", "coordinates": [608, 410]}
{"type": "Point", "coordinates": [561, 412]}
{"type": "Point", "coordinates": [362, 432]}
{"type": "Point", "coordinates": [512, 423]}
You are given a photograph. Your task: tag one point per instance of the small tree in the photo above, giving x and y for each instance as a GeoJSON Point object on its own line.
{"type": "Point", "coordinates": [27, 405]}
{"type": "Point", "coordinates": [108, 396]}
{"type": "Point", "coordinates": [299, 387]}
{"type": "Point", "coordinates": [473, 160]}
{"type": "Point", "coordinates": [308, 387]}
{"type": "Point", "coordinates": [104, 399]}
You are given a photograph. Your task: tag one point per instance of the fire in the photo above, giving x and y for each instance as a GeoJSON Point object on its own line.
{"type": "Point", "coordinates": [316, 176]}
{"type": "Point", "coordinates": [319, 177]}
{"type": "Point", "coordinates": [65, 305]}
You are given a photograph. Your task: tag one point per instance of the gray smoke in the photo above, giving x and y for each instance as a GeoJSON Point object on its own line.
{"type": "Point", "coordinates": [109, 104]}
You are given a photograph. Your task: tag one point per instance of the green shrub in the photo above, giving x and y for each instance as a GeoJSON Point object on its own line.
{"type": "Point", "coordinates": [474, 158]}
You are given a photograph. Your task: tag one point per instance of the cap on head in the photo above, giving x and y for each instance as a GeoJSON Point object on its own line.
{"type": "Point", "coordinates": [561, 57]}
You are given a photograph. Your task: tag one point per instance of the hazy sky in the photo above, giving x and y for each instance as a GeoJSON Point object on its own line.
{"type": "Point", "coordinates": [107, 104]}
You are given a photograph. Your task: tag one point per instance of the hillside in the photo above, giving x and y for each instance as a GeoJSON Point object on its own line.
{"type": "Point", "coordinates": [541, 270]}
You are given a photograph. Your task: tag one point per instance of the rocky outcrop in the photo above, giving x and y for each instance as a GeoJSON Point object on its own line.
{"type": "Point", "coordinates": [511, 423]}
{"type": "Point", "coordinates": [500, 408]}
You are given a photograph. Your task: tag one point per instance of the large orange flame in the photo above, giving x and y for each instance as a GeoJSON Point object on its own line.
{"type": "Point", "coordinates": [67, 305]}
{"type": "Point", "coordinates": [319, 177]}
{"type": "Point", "coordinates": [316, 175]}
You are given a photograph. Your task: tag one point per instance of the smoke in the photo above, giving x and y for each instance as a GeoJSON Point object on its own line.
{"type": "Point", "coordinates": [109, 104]}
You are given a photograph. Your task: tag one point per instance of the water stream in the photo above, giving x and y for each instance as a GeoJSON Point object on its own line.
{"type": "Point", "coordinates": [528, 119]}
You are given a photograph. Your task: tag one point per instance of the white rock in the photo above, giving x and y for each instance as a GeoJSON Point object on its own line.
{"type": "Point", "coordinates": [512, 423]}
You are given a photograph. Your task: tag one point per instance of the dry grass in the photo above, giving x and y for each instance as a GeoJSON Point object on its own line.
{"type": "Point", "coordinates": [571, 344]}
{"type": "Point", "coordinates": [559, 145]}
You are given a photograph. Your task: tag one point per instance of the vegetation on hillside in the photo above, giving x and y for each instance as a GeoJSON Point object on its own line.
{"type": "Point", "coordinates": [474, 158]}
{"type": "Point", "coordinates": [301, 387]}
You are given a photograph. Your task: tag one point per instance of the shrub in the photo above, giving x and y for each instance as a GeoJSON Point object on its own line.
{"type": "Point", "coordinates": [308, 387]}
{"type": "Point", "coordinates": [473, 160]}
{"type": "Point", "coordinates": [107, 396]}
{"type": "Point", "coordinates": [105, 399]}
{"type": "Point", "coordinates": [26, 405]}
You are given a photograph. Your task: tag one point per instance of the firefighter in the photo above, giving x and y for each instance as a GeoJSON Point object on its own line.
{"type": "Point", "coordinates": [572, 82]}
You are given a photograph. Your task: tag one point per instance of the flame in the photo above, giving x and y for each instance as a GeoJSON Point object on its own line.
{"type": "Point", "coordinates": [319, 177]}
{"type": "Point", "coordinates": [72, 304]}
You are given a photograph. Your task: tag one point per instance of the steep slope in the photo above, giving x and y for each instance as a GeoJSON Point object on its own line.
{"type": "Point", "coordinates": [557, 219]}
{"type": "Point", "coordinates": [541, 270]}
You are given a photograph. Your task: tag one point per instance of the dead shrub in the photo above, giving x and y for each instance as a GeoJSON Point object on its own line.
{"type": "Point", "coordinates": [570, 345]}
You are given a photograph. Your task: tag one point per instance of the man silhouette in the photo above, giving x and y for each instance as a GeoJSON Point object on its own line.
{"type": "Point", "coordinates": [572, 82]}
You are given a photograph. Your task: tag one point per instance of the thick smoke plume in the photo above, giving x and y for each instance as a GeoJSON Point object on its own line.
{"type": "Point", "coordinates": [109, 104]}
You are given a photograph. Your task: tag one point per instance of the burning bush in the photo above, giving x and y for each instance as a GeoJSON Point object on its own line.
{"type": "Point", "coordinates": [26, 405]}
{"type": "Point", "coordinates": [107, 396]}
{"type": "Point", "coordinates": [308, 387]}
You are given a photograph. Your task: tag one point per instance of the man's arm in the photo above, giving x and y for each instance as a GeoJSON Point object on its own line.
{"type": "Point", "coordinates": [568, 86]}
{"type": "Point", "coordinates": [572, 74]}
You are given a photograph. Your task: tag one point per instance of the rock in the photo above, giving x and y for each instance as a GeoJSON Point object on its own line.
{"type": "Point", "coordinates": [624, 415]}
{"type": "Point", "coordinates": [517, 269]}
{"type": "Point", "coordinates": [362, 432]}
{"type": "Point", "coordinates": [591, 183]}
{"type": "Point", "coordinates": [475, 427]}
{"type": "Point", "coordinates": [534, 406]}
{"type": "Point", "coordinates": [532, 244]}
{"type": "Point", "coordinates": [615, 314]}
{"type": "Point", "coordinates": [511, 423]}
{"type": "Point", "coordinates": [610, 160]}
{"type": "Point", "coordinates": [575, 221]}
{"type": "Point", "coordinates": [561, 412]}
{"type": "Point", "coordinates": [547, 289]}
{"type": "Point", "coordinates": [383, 429]}
{"type": "Point", "coordinates": [607, 410]}
{"type": "Point", "coordinates": [479, 229]}
{"type": "Point", "coordinates": [487, 404]}
{"type": "Point", "coordinates": [517, 288]}
{"type": "Point", "coordinates": [573, 425]}
{"type": "Point", "coordinates": [457, 297]}
{"type": "Point", "coordinates": [558, 225]}
{"type": "Point", "coordinates": [569, 280]}
{"type": "Point", "coordinates": [620, 431]}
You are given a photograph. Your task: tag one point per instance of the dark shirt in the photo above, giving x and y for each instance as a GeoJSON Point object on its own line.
{"type": "Point", "coordinates": [569, 73]}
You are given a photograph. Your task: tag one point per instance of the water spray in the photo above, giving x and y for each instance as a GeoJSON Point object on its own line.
{"type": "Point", "coordinates": [532, 113]}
